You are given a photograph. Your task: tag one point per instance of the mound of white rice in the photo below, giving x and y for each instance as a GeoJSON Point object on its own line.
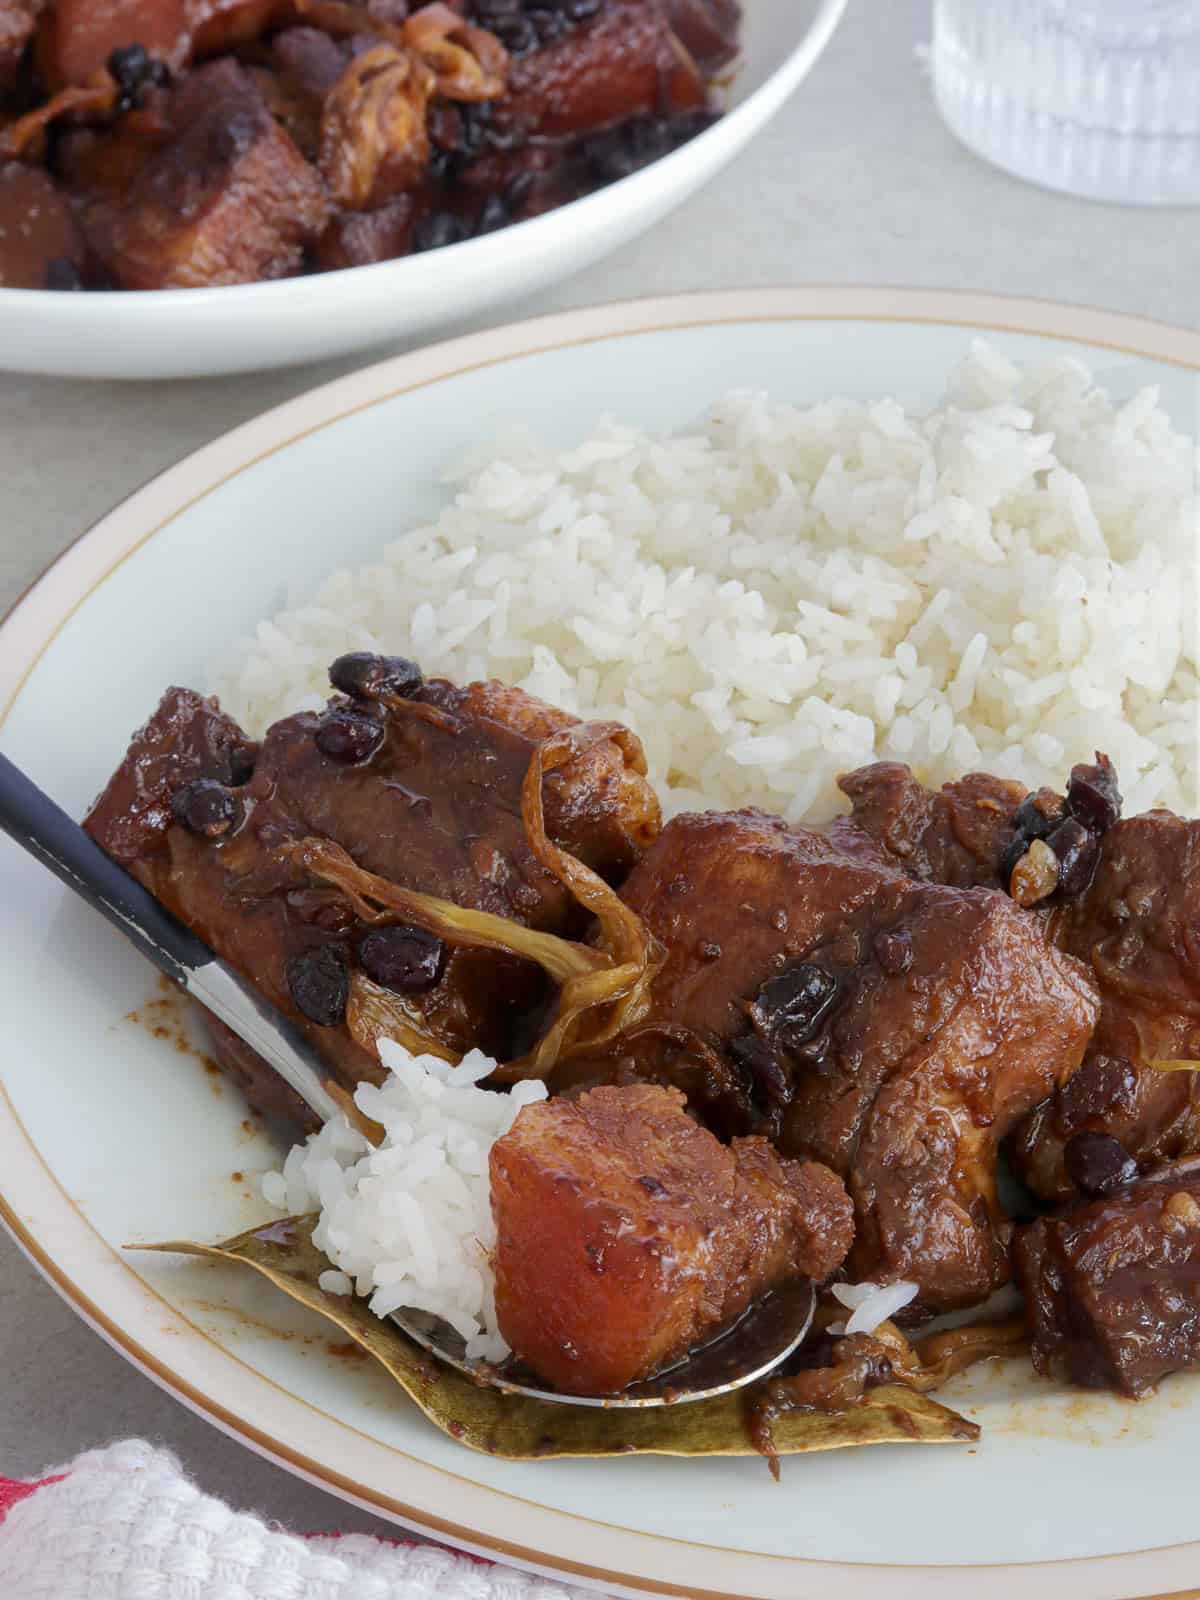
{"type": "Point", "coordinates": [409, 1224]}
{"type": "Point", "coordinates": [782, 593]}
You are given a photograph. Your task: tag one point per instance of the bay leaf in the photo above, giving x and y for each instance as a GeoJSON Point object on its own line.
{"type": "Point", "coordinates": [517, 1428]}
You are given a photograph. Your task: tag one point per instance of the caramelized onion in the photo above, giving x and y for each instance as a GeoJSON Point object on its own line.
{"type": "Point", "coordinates": [374, 140]}
{"type": "Point", "coordinates": [374, 1013]}
{"type": "Point", "coordinates": [99, 98]}
{"type": "Point", "coordinates": [941, 1356]}
{"type": "Point", "coordinates": [422, 711]}
{"type": "Point", "coordinates": [603, 986]}
{"type": "Point", "coordinates": [377, 899]}
{"type": "Point", "coordinates": [468, 62]}
{"type": "Point", "coordinates": [616, 995]}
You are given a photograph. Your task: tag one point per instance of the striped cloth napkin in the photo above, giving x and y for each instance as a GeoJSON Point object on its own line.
{"type": "Point", "coordinates": [125, 1523]}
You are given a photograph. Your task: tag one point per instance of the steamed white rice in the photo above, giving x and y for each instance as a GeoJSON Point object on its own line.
{"type": "Point", "coordinates": [781, 593]}
{"type": "Point", "coordinates": [409, 1223]}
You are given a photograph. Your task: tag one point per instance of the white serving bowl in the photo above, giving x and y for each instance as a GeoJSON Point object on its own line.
{"type": "Point", "coordinates": [193, 333]}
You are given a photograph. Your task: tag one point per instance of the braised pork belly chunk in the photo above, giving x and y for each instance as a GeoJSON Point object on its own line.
{"type": "Point", "coordinates": [627, 1235]}
{"type": "Point", "coordinates": [188, 739]}
{"type": "Point", "coordinates": [1138, 927]}
{"type": "Point", "coordinates": [415, 783]}
{"type": "Point", "coordinates": [894, 1030]}
{"type": "Point", "coordinates": [1112, 1289]}
{"type": "Point", "coordinates": [1039, 846]}
{"type": "Point", "coordinates": [1121, 896]}
{"type": "Point", "coordinates": [40, 243]}
{"type": "Point", "coordinates": [221, 196]}
{"type": "Point", "coordinates": [77, 37]}
{"type": "Point", "coordinates": [624, 61]}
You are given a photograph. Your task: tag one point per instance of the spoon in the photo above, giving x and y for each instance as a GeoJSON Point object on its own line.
{"type": "Point", "coordinates": [765, 1336]}
{"type": "Point", "coordinates": [752, 1347]}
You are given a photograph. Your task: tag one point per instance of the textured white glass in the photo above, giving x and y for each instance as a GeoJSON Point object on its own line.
{"type": "Point", "coordinates": [1097, 97]}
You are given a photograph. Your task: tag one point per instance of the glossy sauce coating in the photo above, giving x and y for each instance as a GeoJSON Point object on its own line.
{"type": "Point", "coordinates": [954, 835]}
{"type": "Point", "coordinates": [38, 234]}
{"type": "Point", "coordinates": [819, 999]}
{"type": "Point", "coordinates": [624, 63]}
{"type": "Point", "coordinates": [954, 1017]}
{"type": "Point", "coordinates": [77, 37]}
{"type": "Point", "coordinates": [223, 196]}
{"type": "Point", "coordinates": [1127, 907]}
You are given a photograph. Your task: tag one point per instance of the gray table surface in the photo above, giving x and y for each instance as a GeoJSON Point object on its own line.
{"type": "Point", "coordinates": [856, 182]}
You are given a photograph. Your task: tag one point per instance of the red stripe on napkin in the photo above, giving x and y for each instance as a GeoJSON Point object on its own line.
{"type": "Point", "coordinates": [12, 1491]}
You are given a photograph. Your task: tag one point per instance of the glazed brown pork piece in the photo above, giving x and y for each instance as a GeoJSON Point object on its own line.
{"type": "Point", "coordinates": [1128, 909]}
{"type": "Point", "coordinates": [1112, 1289]}
{"type": "Point", "coordinates": [40, 245]}
{"type": "Point", "coordinates": [424, 791]}
{"type": "Point", "coordinates": [890, 1029]}
{"type": "Point", "coordinates": [17, 21]}
{"type": "Point", "coordinates": [983, 830]}
{"type": "Point", "coordinates": [361, 238]}
{"type": "Point", "coordinates": [627, 1235]}
{"type": "Point", "coordinates": [707, 29]}
{"type": "Point", "coordinates": [1138, 927]}
{"type": "Point", "coordinates": [188, 738]}
{"type": "Point", "coordinates": [955, 835]}
{"type": "Point", "coordinates": [221, 196]}
{"type": "Point", "coordinates": [76, 38]}
{"type": "Point", "coordinates": [623, 62]}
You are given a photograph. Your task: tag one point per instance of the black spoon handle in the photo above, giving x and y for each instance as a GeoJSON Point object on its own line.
{"type": "Point", "coordinates": [55, 839]}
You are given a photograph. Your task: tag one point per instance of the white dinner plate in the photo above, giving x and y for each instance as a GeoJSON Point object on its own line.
{"type": "Point", "coordinates": [192, 333]}
{"type": "Point", "coordinates": [109, 1134]}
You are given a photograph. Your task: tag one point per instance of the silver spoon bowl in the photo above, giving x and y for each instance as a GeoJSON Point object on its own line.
{"type": "Point", "coordinates": [761, 1340]}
